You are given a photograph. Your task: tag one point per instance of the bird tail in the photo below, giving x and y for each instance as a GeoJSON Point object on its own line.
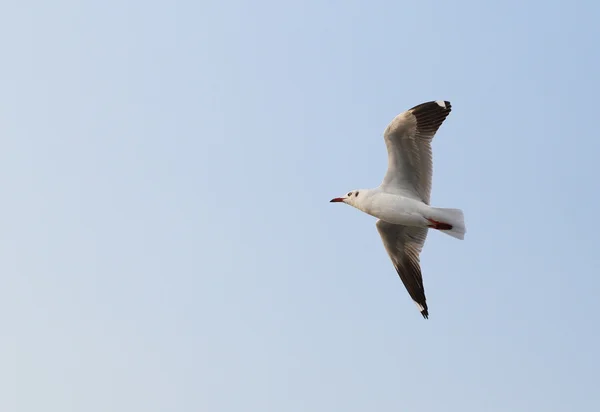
{"type": "Point", "coordinates": [449, 221]}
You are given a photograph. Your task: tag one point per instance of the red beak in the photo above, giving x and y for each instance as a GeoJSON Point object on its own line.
{"type": "Point", "coordinates": [337, 199]}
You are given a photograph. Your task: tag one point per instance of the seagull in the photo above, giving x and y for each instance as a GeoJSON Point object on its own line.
{"type": "Point", "coordinates": [401, 202]}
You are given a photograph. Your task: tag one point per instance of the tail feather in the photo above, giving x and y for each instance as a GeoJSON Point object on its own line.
{"type": "Point", "coordinates": [455, 219]}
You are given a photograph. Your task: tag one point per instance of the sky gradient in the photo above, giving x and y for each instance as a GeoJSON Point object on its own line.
{"type": "Point", "coordinates": [167, 238]}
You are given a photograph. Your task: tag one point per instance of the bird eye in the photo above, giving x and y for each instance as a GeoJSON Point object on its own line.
{"type": "Point", "coordinates": [349, 194]}
{"type": "Point", "coordinates": [355, 194]}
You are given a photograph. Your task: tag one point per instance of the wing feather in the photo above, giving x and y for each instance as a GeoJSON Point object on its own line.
{"type": "Point", "coordinates": [408, 140]}
{"type": "Point", "coordinates": [404, 244]}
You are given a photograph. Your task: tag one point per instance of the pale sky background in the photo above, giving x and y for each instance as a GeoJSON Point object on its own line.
{"type": "Point", "coordinates": [167, 241]}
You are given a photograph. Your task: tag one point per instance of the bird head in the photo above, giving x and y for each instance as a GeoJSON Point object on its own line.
{"type": "Point", "coordinates": [349, 198]}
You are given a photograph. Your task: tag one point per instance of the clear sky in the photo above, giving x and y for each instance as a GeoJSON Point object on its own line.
{"type": "Point", "coordinates": [167, 241]}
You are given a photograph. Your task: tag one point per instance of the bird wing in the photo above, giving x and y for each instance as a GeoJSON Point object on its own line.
{"type": "Point", "coordinates": [404, 244]}
{"type": "Point", "coordinates": [408, 140]}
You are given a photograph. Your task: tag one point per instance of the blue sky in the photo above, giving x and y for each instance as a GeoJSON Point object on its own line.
{"type": "Point", "coordinates": [167, 241]}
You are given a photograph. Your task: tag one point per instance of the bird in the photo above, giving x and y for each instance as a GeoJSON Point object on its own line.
{"type": "Point", "coordinates": [401, 201]}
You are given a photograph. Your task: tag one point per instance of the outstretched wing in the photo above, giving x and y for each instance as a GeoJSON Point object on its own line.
{"type": "Point", "coordinates": [404, 244]}
{"type": "Point", "coordinates": [408, 140]}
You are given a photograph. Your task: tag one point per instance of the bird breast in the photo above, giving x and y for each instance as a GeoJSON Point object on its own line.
{"type": "Point", "coordinates": [397, 209]}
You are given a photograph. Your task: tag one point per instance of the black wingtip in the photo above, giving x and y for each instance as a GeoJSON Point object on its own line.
{"type": "Point", "coordinates": [425, 313]}
{"type": "Point", "coordinates": [431, 115]}
{"type": "Point", "coordinates": [433, 105]}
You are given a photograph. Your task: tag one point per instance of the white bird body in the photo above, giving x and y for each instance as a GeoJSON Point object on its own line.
{"type": "Point", "coordinates": [401, 202]}
{"type": "Point", "coordinates": [392, 208]}
{"type": "Point", "coordinates": [401, 210]}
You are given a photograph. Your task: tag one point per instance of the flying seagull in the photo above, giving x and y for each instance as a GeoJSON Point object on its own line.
{"type": "Point", "coordinates": [401, 202]}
